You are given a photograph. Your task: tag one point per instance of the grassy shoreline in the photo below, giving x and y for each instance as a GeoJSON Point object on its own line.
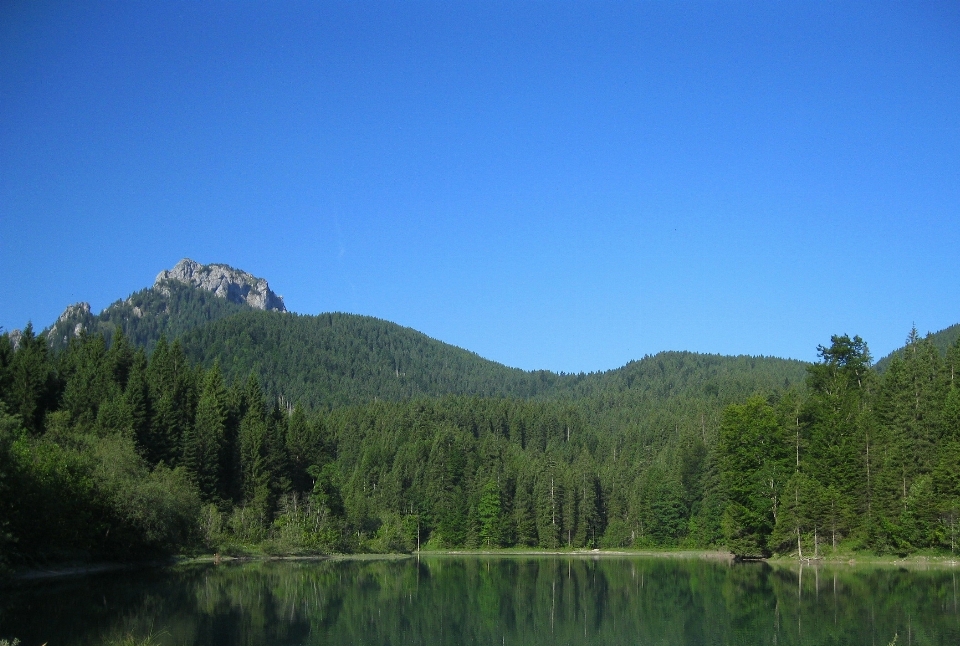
{"type": "Point", "coordinates": [864, 559]}
{"type": "Point", "coordinates": [916, 561]}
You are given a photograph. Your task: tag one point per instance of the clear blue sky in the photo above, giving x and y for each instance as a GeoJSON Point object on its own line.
{"type": "Point", "coordinates": [552, 185]}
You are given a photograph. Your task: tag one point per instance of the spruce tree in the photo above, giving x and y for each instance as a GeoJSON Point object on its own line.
{"type": "Point", "coordinates": [301, 448]}
{"type": "Point", "coordinates": [32, 380]}
{"type": "Point", "coordinates": [203, 442]}
{"type": "Point", "coordinates": [525, 513]}
{"type": "Point", "coordinates": [841, 440]}
{"type": "Point", "coordinates": [488, 510]}
{"type": "Point", "coordinates": [254, 466]}
{"type": "Point", "coordinates": [137, 399]}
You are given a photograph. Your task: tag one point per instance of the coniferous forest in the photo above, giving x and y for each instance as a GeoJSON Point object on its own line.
{"type": "Point", "coordinates": [110, 452]}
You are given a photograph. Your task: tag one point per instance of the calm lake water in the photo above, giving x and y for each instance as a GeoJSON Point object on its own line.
{"type": "Point", "coordinates": [552, 600]}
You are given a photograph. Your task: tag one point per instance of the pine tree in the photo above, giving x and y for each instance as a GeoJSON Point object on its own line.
{"type": "Point", "coordinates": [909, 409]}
{"type": "Point", "coordinates": [587, 523]}
{"type": "Point", "coordinates": [254, 468]}
{"type": "Point", "coordinates": [203, 441]}
{"type": "Point", "coordinates": [115, 416]}
{"type": "Point", "coordinates": [301, 448]}
{"type": "Point", "coordinates": [6, 358]}
{"type": "Point", "coordinates": [842, 443]}
{"type": "Point", "coordinates": [278, 460]}
{"type": "Point", "coordinates": [550, 498]}
{"type": "Point", "coordinates": [173, 394]}
{"type": "Point", "coordinates": [120, 358]}
{"type": "Point", "coordinates": [488, 510]}
{"type": "Point", "coordinates": [525, 513]}
{"type": "Point", "coordinates": [32, 382]}
{"type": "Point", "coordinates": [137, 399]}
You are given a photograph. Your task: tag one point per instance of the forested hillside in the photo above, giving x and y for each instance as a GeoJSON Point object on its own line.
{"type": "Point", "coordinates": [290, 433]}
{"type": "Point", "coordinates": [172, 310]}
{"type": "Point", "coordinates": [138, 454]}
{"type": "Point", "coordinates": [334, 360]}
{"type": "Point", "coordinates": [942, 341]}
{"type": "Point", "coordinates": [129, 455]}
{"type": "Point", "coordinates": [340, 359]}
{"type": "Point", "coordinates": [864, 460]}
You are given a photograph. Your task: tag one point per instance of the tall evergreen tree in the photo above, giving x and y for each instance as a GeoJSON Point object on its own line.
{"type": "Point", "coordinates": [302, 449]}
{"type": "Point", "coordinates": [525, 513]}
{"type": "Point", "coordinates": [32, 380]}
{"type": "Point", "coordinates": [203, 442]}
{"type": "Point", "coordinates": [173, 394]}
{"type": "Point", "coordinates": [254, 465]}
{"type": "Point", "coordinates": [550, 498]}
{"type": "Point", "coordinates": [840, 435]}
{"type": "Point", "coordinates": [489, 510]}
{"type": "Point", "coordinates": [137, 400]}
{"type": "Point", "coordinates": [278, 459]}
{"type": "Point", "coordinates": [120, 358]}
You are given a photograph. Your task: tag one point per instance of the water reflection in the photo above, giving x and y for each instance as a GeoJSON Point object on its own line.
{"type": "Point", "coordinates": [479, 600]}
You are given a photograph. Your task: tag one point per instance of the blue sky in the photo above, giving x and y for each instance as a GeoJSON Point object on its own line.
{"type": "Point", "coordinates": [552, 185]}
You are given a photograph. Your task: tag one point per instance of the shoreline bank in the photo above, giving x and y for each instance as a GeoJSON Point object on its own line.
{"type": "Point", "coordinates": [841, 560]}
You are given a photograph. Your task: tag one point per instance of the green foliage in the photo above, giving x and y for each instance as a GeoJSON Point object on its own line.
{"type": "Point", "coordinates": [30, 383]}
{"type": "Point", "coordinates": [489, 510]}
{"type": "Point", "coordinates": [341, 432]}
{"type": "Point", "coordinates": [204, 442]}
{"type": "Point", "coordinates": [170, 309]}
{"type": "Point", "coordinates": [877, 457]}
{"type": "Point", "coordinates": [96, 498]}
{"type": "Point", "coordinates": [755, 462]}
{"type": "Point", "coordinates": [11, 430]}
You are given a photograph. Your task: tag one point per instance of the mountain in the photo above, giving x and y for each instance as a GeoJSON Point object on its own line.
{"type": "Point", "coordinates": [234, 285]}
{"type": "Point", "coordinates": [181, 298]}
{"type": "Point", "coordinates": [228, 316]}
{"type": "Point", "coordinates": [398, 432]}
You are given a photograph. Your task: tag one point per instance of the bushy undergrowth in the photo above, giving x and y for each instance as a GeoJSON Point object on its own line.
{"type": "Point", "coordinates": [96, 495]}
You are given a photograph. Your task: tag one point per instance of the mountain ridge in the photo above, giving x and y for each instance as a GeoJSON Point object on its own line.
{"type": "Point", "coordinates": [228, 316]}
{"type": "Point", "coordinates": [181, 298]}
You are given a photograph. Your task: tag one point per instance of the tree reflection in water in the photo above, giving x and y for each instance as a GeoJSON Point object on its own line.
{"type": "Point", "coordinates": [491, 600]}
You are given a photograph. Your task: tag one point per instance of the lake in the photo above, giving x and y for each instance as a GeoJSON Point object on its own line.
{"type": "Point", "coordinates": [512, 600]}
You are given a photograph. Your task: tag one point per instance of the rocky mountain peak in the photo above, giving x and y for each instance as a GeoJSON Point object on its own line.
{"type": "Point", "coordinates": [74, 311]}
{"type": "Point", "coordinates": [226, 282]}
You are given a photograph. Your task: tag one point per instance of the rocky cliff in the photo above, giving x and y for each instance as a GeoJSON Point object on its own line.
{"type": "Point", "coordinates": [226, 282]}
{"type": "Point", "coordinates": [180, 299]}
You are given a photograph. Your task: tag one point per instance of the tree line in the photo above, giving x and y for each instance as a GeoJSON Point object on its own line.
{"type": "Point", "coordinates": [864, 460]}
{"type": "Point", "coordinates": [106, 451]}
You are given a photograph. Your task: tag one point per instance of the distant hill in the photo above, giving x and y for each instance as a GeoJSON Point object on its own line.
{"type": "Point", "coordinates": [338, 359]}
{"type": "Point", "coordinates": [941, 340]}
{"type": "Point", "coordinates": [226, 315]}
